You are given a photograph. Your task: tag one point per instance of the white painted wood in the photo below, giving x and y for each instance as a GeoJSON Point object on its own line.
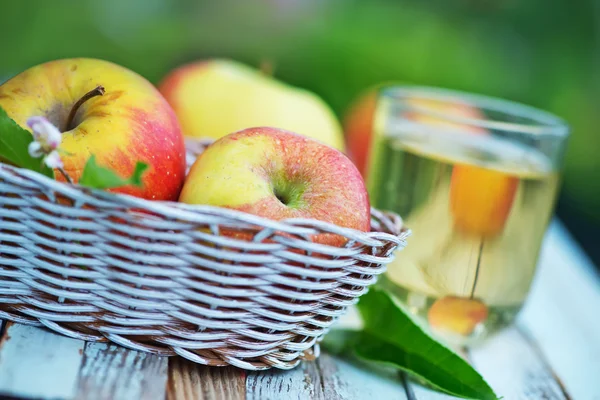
{"type": "Point", "coordinates": [37, 363]}
{"type": "Point", "coordinates": [328, 378]}
{"type": "Point", "coordinates": [514, 368]}
{"type": "Point", "coordinates": [352, 381]}
{"type": "Point", "coordinates": [112, 372]}
{"type": "Point", "coordinates": [562, 314]}
{"type": "Point", "coordinates": [418, 392]}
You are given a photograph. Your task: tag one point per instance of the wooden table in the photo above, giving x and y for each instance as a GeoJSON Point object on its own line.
{"type": "Point", "coordinates": [552, 353]}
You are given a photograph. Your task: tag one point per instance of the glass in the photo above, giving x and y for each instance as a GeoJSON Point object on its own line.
{"type": "Point", "coordinates": [475, 179]}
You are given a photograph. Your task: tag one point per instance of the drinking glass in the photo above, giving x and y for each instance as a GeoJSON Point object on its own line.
{"type": "Point", "coordinates": [475, 179]}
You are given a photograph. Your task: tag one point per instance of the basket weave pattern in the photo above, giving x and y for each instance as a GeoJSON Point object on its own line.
{"type": "Point", "coordinates": [163, 278]}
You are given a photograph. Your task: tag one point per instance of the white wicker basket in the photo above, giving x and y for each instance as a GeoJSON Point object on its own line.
{"type": "Point", "coordinates": [158, 277]}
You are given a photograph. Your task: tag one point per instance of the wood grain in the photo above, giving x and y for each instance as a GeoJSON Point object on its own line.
{"type": "Point", "coordinates": [192, 381]}
{"type": "Point", "coordinates": [415, 391]}
{"type": "Point", "coordinates": [328, 378]}
{"type": "Point", "coordinates": [562, 316]}
{"type": "Point", "coordinates": [514, 368]}
{"type": "Point", "coordinates": [112, 372]}
{"type": "Point", "coordinates": [302, 382]}
{"type": "Point", "coordinates": [37, 363]}
{"type": "Point", "coordinates": [353, 380]}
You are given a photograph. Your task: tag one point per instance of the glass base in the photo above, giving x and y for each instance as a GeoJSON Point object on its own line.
{"type": "Point", "coordinates": [459, 322]}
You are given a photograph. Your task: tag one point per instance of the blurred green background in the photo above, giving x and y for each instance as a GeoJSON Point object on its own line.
{"type": "Point", "coordinates": [543, 53]}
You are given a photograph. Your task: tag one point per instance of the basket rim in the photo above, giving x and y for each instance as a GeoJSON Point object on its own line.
{"type": "Point", "coordinates": [191, 212]}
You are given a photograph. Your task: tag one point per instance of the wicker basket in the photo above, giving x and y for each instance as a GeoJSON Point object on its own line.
{"type": "Point", "coordinates": [158, 277]}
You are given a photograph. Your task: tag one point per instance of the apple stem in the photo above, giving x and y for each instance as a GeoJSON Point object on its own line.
{"type": "Point", "coordinates": [67, 177]}
{"type": "Point", "coordinates": [267, 67]}
{"type": "Point", "coordinates": [97, 91]}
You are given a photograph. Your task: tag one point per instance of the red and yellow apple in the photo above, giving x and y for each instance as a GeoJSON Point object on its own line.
{"type": "Point", "coordinates": [131, 122]}
{"type": "Point", "coordinates": [216, 97]}
{"type": "Point", "coordinates": [278, 174]}
{"type": "Point", "coordinates": [358, 126]}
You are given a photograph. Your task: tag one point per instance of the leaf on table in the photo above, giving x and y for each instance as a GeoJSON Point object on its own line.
{"type": "Point", "coordinates": [99, 177]}
{"type": "Point", "coordinates": [338, 341]}
{"type": "Point", "coordinates": [392, 337]}
{"type": "Point", "coordinates": [14, 143]}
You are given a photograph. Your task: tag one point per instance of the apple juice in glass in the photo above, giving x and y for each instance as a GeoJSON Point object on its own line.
{"type": "Point", "coordinates": [475, 179]}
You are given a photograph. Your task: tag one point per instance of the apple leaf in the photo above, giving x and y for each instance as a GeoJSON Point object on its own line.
{"type": "Point", "coordinates": [99, 177]}
{"type": "Point", "coordinates": [14, 141]}
{"type": "Point", "coordinates": [391, 337]}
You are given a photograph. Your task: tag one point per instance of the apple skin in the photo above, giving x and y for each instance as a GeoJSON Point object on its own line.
{"type": "Point", "coordinates": [251, 170]}
{"type": "Point", "coordinates": [214, 98]}
{"type": "Point", "coordinates": [358, 124]}
{"type": "Point", "coordinates": [131, 122]}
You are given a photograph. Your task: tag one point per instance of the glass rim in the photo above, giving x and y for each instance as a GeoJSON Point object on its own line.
{"type": "Point", "coordinates": [543, 123]}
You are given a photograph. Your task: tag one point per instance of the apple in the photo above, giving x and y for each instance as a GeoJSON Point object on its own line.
{"type": "Point", "coordinates": [130, 122]}
{"type": "Point", "coordinates": [216, 97]}
{"type": "Point", "coordinates": [278, 174]}
{"type": "Point", "coordinates": [358, 124]}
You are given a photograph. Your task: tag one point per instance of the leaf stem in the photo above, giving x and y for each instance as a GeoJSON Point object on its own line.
{"type": "Point", "coordinates": [267, 67]}
{"type": "Point", "coordinates": [97, 91]}
{"type": "Point", "coordinates": [477, 269]}
{"type": "Point", "coordinates": [66, 176]}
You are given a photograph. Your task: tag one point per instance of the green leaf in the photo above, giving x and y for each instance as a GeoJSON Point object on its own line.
{"type": "Point", "coordinates": [14, 141]}
{"type": "Point", "coordinates": [98, 177]}
{"type": "Point", "coordinates": [392, 337]}
{"type": "Point", "coordinates": [339, 341]}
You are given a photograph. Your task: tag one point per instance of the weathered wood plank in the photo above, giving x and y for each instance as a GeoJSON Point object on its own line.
{"type": "Point", "coordinates": [189, 381]}
{"type": "Point", "coordinates": [514, 368]}
{"type": "Point", "coordinates": [352, 380]}
{"type": "Point", "coordinates": [561, 315]}
{"type": "Point", "coordinates": [415, 391]}
{"type": "Point", "coordinates": [328, 378]}
{"type": "Point", "coordinates": [112, 372]}
{"type": "Point", "coordinates": [37, 363]}
{"type": "Point", "coordinates": [302, 382]}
